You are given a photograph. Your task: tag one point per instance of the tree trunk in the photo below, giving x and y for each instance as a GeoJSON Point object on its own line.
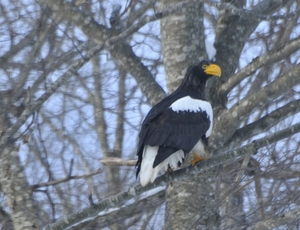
{"type": "Point", "coordinates": [182, 38]}
{"type": "Point", "coordinates": [189, 202]}
{"type": "Point", "coordinates": [23, 211]}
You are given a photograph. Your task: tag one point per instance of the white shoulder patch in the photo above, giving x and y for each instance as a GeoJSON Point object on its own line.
{"type": "Point", "coordinates": [194, 105]}
{"type": "Point", "coordinates": [191, 105]}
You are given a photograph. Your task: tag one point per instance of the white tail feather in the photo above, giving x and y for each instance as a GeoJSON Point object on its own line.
{"type": "Point", "coordinates": [148, 173]}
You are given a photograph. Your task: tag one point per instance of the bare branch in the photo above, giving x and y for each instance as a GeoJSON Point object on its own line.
{"type": "Point", "coordinates": [176, 8]}
{"type": "Point", "coordinates": [112, 161]}
{"type": "Point", "coordinates": [278, 220]}
{"type": "Point", "coordinates": [101, 125]}
{"type": "Point", "coordinates": [68, 178]}
{"type": "Point", "coordinates": [122, 51]}
{"type": "Point", "coordinates": [244, 13]}
{"type": "Point", "coordinates": [141, 206]}
{"type": "Point", "coordinates": [118, 145]}
{"type": "Point", "coordinates": [206, 166]}
{"type": "Point", "coordinates": [227, 26]}
{"type": "Point", "coordinates": [279, 53]}
{"type": "Point", "coordinates": [229, 121]}
{"type": "Point", "coordinates": [49, 92]}
{"type": "Point", "coordinates": [264, 123]}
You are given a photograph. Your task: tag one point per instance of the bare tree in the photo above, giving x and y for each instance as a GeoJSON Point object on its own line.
{"type": "Point", "coordinates": [79, 76]}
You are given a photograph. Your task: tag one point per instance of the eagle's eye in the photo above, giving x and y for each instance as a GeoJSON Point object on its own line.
{"type": "Point", "coordinates": [204, 66]}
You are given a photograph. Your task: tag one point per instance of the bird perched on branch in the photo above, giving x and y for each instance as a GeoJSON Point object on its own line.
{"type": "Point", "coordinates": [179, 124]}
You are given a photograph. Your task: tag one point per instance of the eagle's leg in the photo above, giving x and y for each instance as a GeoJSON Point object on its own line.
{"type": "Point", "coordinates": [198, 158]}
{"type": "Point", "coordinates": [169, 171]}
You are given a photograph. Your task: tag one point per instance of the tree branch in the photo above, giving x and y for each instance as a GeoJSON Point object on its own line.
{"type": "Point", "coordinates": [277, 220]}
{"type": "Point", "coordinates": [176, 8]}
{"type": "Point", "coordinates": [230, 120]}
{"type": "Point", "coordinates": [117, 215]}
{"type": "Point", "coordinates": [280, 52]}
{"type": "Point", "coordinates": [235, 30]}
{"type": "Point", "coordinates": [121, 51]}
{"type": "Point", "coordinates": [206, 166]}
{"type": "Point", "coordinates": [264, 123]}
{"type": "Point", "coordinates": [31, 108]}
{"type": "Point", "coordinates": [117, 161]}
{"type": "Point", "coordinates": [68, 178]}
{"type": "Point", "coordinates": [244, 13]}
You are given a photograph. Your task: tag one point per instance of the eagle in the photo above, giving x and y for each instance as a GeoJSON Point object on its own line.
{"type": "Point", "coordinates": [179, 124]}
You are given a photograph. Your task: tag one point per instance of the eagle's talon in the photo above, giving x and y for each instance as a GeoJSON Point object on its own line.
{"type": "Point", "coordinates": [169, 170]}
{"type": "Point", "coordinates": [198, 158]}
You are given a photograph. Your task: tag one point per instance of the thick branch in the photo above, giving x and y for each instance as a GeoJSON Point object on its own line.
{"type": "Point", "coordinates": [209, 165]}
{"type": "Point", "coordinates": [109, 217]}
{"type": "Point", "coordinates": [244, 13]}
{"type": "Point", "coordinates": [230, 120]}
{"type": "Point", "coordinates": [264, 123]}
{"type": "Point", "coordinates": [277, 221]}
{"type": "Point", "coordinates": [179, 46]}
{"type": "Point", "coordinates": [235, 30]}
{"type": "Point", "coordinates": [117, 161]}
{"type": "Point", "coordinates": [284, 50]}
{"type": "Point", "coordinates": [121, 51]}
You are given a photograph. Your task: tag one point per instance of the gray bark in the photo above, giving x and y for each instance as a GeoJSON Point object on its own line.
{"type": "Point", "coordinates": [190, 204]}
{"type": "Point", "coordinates": [23, 211]}
{"type": "Point", "coordinates": [188, 201]}
{"type": "Point", "coordinates": [182, 38]}
{"type": "Point", "coordinates": [203, 170]}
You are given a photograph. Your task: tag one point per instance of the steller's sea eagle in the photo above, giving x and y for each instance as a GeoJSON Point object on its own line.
{"type": "Point", "coordinates": [179, 124]}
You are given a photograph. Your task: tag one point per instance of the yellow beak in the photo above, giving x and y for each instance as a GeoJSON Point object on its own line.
{"type": "Point", "coordinates": [214, 70]}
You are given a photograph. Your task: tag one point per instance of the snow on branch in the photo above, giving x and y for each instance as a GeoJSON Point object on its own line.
{"type": "Point", "coordinates": [129, 209]}
{"type": "Point", "coordinates": [116, 202]}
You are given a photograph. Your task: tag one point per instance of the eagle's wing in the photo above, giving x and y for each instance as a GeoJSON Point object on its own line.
{"type": "Point", "coordinates": [174, 126]}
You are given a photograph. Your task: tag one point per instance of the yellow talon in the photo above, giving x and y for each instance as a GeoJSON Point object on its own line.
{"type": "Point", "coordinates": [198, 158]}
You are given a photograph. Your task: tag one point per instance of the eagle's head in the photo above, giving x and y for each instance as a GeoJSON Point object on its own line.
{"type": "Point", "coordinates": [204, 69]}
{"type": "Point", "coordinates": [197, 75]}
{"type": "Point", "coordinates": [210, 69]}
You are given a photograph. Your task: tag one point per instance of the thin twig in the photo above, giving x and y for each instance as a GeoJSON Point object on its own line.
{"type": "Point", "coordinates": [68, 178]}
{"type": "Point", "coordinates": [206, 166]}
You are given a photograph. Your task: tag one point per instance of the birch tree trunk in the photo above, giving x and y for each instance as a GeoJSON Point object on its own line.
{"type": "Point", "coordinates": [182, 38]}
{"type": "Point", "coordinates": [188, 201]}
{"type": "Point", "coordinates": [23, 211]}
